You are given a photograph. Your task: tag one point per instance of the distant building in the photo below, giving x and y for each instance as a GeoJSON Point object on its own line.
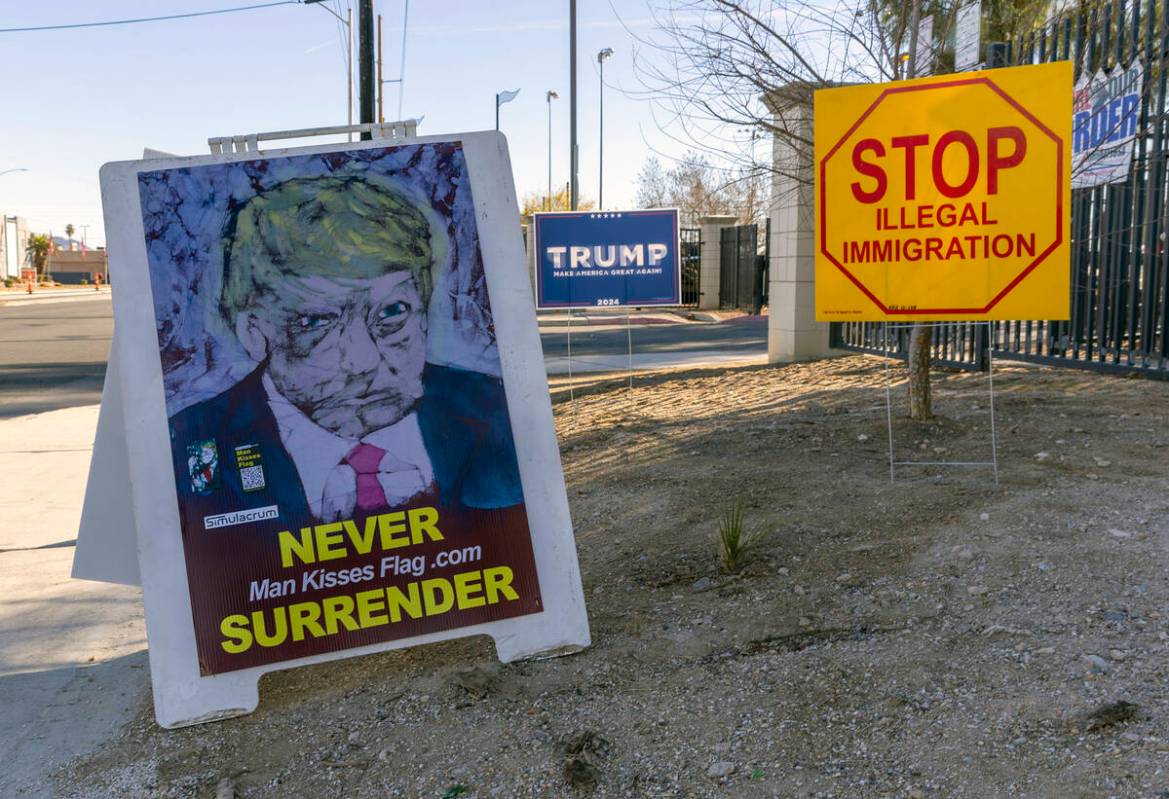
{"type": "Point", "coordinates": [14, 254]}
{"type": "Point", "coordinates": [61, 243]}
{"type": "Point", "coordinates": [73, 266]}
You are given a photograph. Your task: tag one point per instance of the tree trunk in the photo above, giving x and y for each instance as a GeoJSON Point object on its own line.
{"type": "Point", "coordinates": [921, 335]}
{"type": "Point", "coordinates": [920, 338]}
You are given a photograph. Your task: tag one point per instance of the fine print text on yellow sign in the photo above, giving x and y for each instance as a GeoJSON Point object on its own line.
{"type": "Point", "coordinates": [945, 198]}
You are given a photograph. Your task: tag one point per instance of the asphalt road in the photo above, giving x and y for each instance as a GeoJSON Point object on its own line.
{"type": "Point", "coordinates": [53, 353]}
{"type": "Point", "coordinates": [746, 334]}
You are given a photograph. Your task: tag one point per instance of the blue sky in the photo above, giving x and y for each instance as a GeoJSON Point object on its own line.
{"type": "Point", "coordinates": [76, 99]}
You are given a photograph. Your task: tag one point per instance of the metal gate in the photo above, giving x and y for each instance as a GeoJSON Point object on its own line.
{"type": "Point", "coordinates": [1120, 253]}
{"type": "Point", "coordinates": [957, 344]}
{"type": "Point", "coordinates": [738, 278]}
{"type": "Point", "coordinates": [690, 243]}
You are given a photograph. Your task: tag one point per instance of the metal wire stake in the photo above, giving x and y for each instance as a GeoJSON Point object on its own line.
{"type": "Point", "coordinates": [629, 339]}
{"type": "Point", "coordinates": [889, 400]}
{"type": "Point", "coordinates": [570, 394]}
{"type": "Point", "coordinates": [994, 461]}
{"type": "Point", "coordinates": [994, 449]}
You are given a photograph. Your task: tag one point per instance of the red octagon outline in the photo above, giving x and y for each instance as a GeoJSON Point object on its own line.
{"type": "Point", "coordinates": [1059, 148]}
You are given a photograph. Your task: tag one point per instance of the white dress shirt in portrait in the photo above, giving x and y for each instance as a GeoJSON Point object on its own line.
{"type": "Point", "coordinates": [330, 484]}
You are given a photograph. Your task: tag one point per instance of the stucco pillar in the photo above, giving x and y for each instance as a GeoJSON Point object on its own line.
{"type": "Point", "coordinates": [709, 260]}
{"type": "Point", "coordinates": [793, 334]}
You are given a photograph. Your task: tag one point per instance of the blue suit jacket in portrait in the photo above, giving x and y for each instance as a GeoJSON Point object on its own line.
{"type": "Point", "coordinates": [462, 415]}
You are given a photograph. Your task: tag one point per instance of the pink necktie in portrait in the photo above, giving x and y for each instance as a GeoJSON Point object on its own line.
{"type": "Point", "coordinates": [365, 459]}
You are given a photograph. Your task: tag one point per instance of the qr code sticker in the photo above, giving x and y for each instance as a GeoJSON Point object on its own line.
{"type": "Point", "coordinates": [252, 478]}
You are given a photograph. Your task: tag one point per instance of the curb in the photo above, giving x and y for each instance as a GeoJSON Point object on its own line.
{"type": "Point", "coordinates": [36, 298]}
{"type": "Point", "coordinates": [674, 317]}
{"type": "Point", "coordinates": [607, 321]}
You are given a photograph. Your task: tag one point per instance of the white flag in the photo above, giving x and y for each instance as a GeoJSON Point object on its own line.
{"type": "Point", "coordinates": [505, 97]}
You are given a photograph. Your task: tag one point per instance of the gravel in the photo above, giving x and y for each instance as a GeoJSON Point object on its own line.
{"type": "Point", "coordinates": [781, 680]}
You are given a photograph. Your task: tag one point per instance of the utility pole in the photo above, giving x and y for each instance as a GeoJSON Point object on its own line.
{"type": "Point", "coordinates": [401, 79]}
{"type": "Point", "coordinates": [402, 66]}
{"type": "Point", "coordinates": [365, 45]}
{"type": "Point", "coordinates": [573, 177]}
{"type": "Point", "coordinates": [349, 66]}
{"type": "Point", "coordinates": [348, 23]}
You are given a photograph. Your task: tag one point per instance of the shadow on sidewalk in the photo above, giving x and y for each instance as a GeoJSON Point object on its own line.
{"type": "Point", "coordinates": [53, 716]}
{"type": "Point", "coordinates": [39, 387]}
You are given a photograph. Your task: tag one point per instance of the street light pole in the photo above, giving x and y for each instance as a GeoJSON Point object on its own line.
{"type": "Point", "coordinates": [551, 95]}
{"type": "Point", "coordinates": [602, 57]}
{"type": "Point", "coordinates": [572, 158]}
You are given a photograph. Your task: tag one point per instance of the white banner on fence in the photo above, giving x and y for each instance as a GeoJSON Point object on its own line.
{"type": "Point", "coordinates": [1105, 115]}
{"type": "Point", "coordinates": [923, 61]}
{"type": "Point", "coordinates": [968, 36]}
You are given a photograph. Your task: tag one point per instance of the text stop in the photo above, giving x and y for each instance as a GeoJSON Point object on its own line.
{"type": "Point", "coordinates": [1005, 148]}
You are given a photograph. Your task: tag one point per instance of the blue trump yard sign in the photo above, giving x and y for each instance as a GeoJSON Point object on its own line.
{"type": "Point", "coordinates": [589, 259]}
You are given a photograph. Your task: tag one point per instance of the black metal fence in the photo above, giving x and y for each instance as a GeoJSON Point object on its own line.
{"type": "Point", "coordinates": [959, 344]}
{"type": "Point", "coordinates": [1120, 258]}
{"type": "Point", "coordinates": [738, 267]}
{"type": "Point", "coordinates": [690, 239]}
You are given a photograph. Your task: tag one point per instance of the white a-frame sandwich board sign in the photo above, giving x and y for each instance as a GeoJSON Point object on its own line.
{"type": "Point", "coordinates": [326, 419]}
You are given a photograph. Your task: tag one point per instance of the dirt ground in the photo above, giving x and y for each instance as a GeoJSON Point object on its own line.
{"type": "Point", "coordinates": [936, 636]}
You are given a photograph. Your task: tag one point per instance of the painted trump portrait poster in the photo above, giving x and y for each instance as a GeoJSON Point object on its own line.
{"type": "Point", "coordinates": [344, 463]}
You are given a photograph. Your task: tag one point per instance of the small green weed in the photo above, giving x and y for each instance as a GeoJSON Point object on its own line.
{"type": "Point", "coordinates": [735, 538]}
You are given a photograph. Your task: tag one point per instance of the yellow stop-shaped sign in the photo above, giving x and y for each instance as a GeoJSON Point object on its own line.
{"type": "Point", "coordinates": [945, 198]}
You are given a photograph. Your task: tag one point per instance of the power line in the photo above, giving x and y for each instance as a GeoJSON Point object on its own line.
{"type": "Point", "coordinates": [148, 19]}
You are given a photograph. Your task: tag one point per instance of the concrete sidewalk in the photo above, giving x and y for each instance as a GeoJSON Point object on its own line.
{"type": "Point", "coordinates": [649, 361]}
{"type": "Point", "coordinates": [616, 317]}
{"type": "Point", "coordinates": [72, 653]}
